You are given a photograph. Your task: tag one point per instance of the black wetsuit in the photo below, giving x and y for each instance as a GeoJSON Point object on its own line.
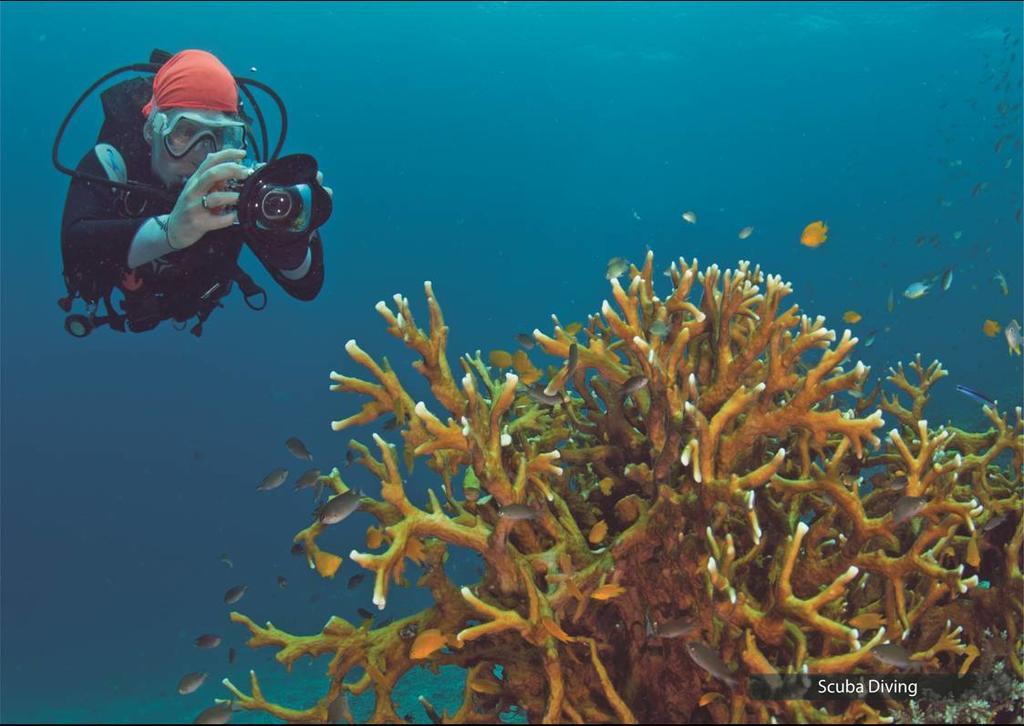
{"type": "Point", "coordinates": [100, 223]}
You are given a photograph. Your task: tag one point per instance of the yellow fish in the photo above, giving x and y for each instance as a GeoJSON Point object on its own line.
{"type": "Point", "coordinates": [598, 532]}
{"type": "Point", "coordinates": [607, 592]}
{"type": "Point", "coordinates": [500, 359]}
{"type": "Point", "coordinates": [991, 328]}
{"type": "Point", "coordinates": [814, 234]}
{"type": "Point", "coordinates": [690, 217]}
{"type": "Point", "coordinates": [427, 642]}
{"type": "Point", "coordinates": [851, 316]}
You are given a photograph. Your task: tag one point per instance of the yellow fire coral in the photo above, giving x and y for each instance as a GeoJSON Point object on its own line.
{"type": "Point", "coordinates": [710, 474]}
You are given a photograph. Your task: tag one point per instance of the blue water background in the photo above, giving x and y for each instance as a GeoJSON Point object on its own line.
{"type": "Point", "coordinates": [505, 152]}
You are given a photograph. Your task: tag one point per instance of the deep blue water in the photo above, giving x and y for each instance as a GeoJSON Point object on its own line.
{"type": "Point", "coordinates": [504, 151]}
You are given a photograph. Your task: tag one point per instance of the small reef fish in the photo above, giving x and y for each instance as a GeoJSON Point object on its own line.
{"type": "Point", "coordinates": [916, 290]}
{"type": "Point", "coordinates": [1013, 337]}
{"type": "Point", "coordinates": [598, 532]}
{"type": "Point", "coordinates": [893, 655]}
{"type": "Point", "coordinates": [391, 424]}
{"type": "Point", "coordinates": [710, 661]}
{"type": "Point", "coordinates": [979, 188]}
{"type": "Point", "coordinates": [526, 341]}
{"type": "Point", "coordinates": [427, 643]}
{"type": "Point", "coordinates": [355, 580]}
{"type": "Point", "coordinates": [617, 267]}
{"type": "Point", "coordinates": [235, 594]}
{"type": "Point", "coordinates": [851, 316]}
{"type": "Point", "coordinates": [746, 232]}
{"type": "Point", "coordinates": [574, 359]}
{"type": "Point", "coordinates": [994, 523]}
{"type": "Point", "coordinates": [517, 512]}
{"type": "Point", "coordinates": [537, 393]}
{"type": "Point", "coordinates": [907, 508]}
{"type": "Point", "coordinates": [231, 655]}
{"type": "Point", "coordinates": [958, 234]}
{"type": "Point", "coordinates": [690, 217]}
{"type": "Point", "coordinates": [870, 339]}
{"type": "Point", "coordinates": [191, 682]}
{"type": "Point", "coordinates": [815, 234]}
{"type": "Point", "coordinates": [364, 613]}
{"type": "Point", "coordinates": [678, 628]}
{"type": "Point", "coordinates": [890, 304]}
{"type": "Point", "coordinates": [298, 449]}
{"type": "Point", "coordinates": [998, 277]}
{"type": "Point", "coordinates": [632, 385]}
{"type": "Point", "coordinates": [947, 278]}
{"type": "Point", "coordinates": [980, 397]}
{"type": "Point", "coordinates": [307, 479]}
{"type": "Point", "coordinates": [338, 507]}
{"type": "Point", "coordinates": [607, 592]}
{"type": "Point", "coordinates": [273, 480]}
{"type": "Point", "coordinates": [226, 560]}
{"type": "Point", "coordinates": [659, 329]}
{"type": "Point", "coordinates": [217, 713]}
{"type": "Point", "coordinates": [298, 549]}
{"type": "Point", "coordinates": [208, 640]}
{"type": "Point", "coordinates": [500, 359]}
{"type": "Point", "coordinates": [282, 582]}
{"type": "Point", "coordinates": [991, 328]}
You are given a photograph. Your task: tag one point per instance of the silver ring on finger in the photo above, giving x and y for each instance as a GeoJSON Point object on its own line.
{"type": "Point", "coordinates": [204, 202]}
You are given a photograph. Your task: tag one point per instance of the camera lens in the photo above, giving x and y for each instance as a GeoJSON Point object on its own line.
{"type": "Point", "coordinates": [276, 205]}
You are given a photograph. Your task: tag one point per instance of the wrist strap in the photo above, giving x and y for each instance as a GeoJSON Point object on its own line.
{"type": "Point", "coordinates": [167, 235]}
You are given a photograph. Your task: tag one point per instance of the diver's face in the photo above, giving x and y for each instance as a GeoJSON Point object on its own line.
{"type": "Point", "coordinates": [175, 171]}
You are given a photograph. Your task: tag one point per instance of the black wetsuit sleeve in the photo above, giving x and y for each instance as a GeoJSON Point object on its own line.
{"type": "Point", "coordinates": [95, 238]}
{"type": "Point", "coordinates": [308, 286]}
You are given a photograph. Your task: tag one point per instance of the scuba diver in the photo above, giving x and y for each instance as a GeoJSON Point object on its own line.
{"type": "Point", "coordinates": [159, 209]}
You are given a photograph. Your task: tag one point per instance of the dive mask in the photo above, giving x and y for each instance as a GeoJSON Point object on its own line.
{"type": "Point", "coordinates": [189, 131]}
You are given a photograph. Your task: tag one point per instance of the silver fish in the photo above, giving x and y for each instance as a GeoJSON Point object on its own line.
{"type": "Point", "coordinates": [191, 683]}
{"type": "Point", "coordinates": [976, 395]}
{"type": "Point", "coordinates": [632, 385]}
{"type": "Point", "coordinates": [994, 523]}
{"type": "Point", "coordinates": [746, 232]}
{"type": "Point", "coordinates": [870, 339]}
{"type": "Point", "coordinates": [235, 594]}
{"type": "Point", "coordinates": [574, 359]}
{"type": "Point", "coordinates": [298, 449]}
{"type": "Point", "coordinates": [710, 661]}
{"type": "Point", "coordinates": [526, 341]}
{"type": "Point", "coordinates": [894, 655]}
{"type": "Point", "coordinates": [226, 560]}
{"type": "Point", "coordinates": [659, 329]}
{"type": "Point", "coordinates": [517, 512]}
{"type": "Point", "coordinates": [208, 640]}
{"type": "Point", "coordinates": [537, 394]}
{"type": "Point", "coordinates": [338, 507]}
{"type": "Point", "coordinates": [219, 713]}
{"type": "Point", "coordinates": [273, 480]}
{"type": "Point", "coordinates": [907, 508]}
{"type": "Point", "coordinates": [947, 278]}
{"type": "Point", "coordinates": [617, 267]}
{"type": "Point", "coordinates": [307, 479]}
{"type": "Point", "coordinates": [1013, 336]}
{"type": "Point", "coordinates": [678, 628]}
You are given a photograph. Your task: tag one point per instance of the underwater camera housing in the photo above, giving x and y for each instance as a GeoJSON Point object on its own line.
{"type": "Point", "coordinates": [282, 200]}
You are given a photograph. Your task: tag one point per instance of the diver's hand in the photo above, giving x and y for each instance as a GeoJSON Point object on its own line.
{"type": "Point", "coordinates": [190, 220]}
